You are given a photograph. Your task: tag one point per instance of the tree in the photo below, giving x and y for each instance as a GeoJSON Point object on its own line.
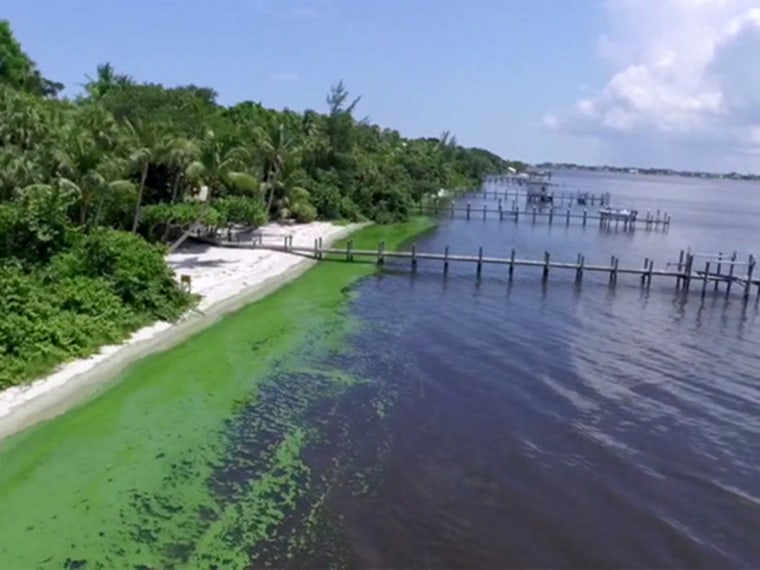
{"type": "Point", "coordinates": [18, 70]}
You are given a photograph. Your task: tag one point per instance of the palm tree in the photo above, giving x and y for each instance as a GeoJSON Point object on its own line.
{"type": "Point", "coordinates": [276, 144]}
{"type": "Point", "coordinates": [147, 146]}
{"type": "Point", "coordinates": [219, 164]}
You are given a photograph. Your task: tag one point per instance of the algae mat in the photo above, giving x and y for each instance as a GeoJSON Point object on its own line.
{"type": "Point", "coordinates": [195, 458]}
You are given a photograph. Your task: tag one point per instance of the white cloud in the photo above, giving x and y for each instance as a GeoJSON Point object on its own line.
{"type": "Point", "coordinates": [283, 76]}
{"type": "Point", "coordinates": [685, 73]}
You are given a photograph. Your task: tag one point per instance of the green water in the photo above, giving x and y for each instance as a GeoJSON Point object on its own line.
{"type": "Point", "coordinates": [132, 478]}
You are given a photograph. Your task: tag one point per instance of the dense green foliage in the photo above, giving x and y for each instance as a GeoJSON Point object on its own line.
{"type": "Point", "coordinates": [151, 163]}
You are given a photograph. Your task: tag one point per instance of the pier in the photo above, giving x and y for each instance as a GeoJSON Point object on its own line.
{"type": "Point", "coordinates": [561, 197]}
{"type": "Point", "coordinates": [605, 217]}
{"type": "Point", "coordinates": [691, 269]}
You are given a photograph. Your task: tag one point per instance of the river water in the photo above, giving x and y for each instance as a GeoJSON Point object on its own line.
{"type": "Point", "coordinates": [430, 422]}
{"type": "Point", "coordinates": [564, 427]}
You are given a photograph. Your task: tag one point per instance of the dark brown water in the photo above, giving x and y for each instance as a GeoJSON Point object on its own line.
{"type": "Point", "coordinates": [556, 426]}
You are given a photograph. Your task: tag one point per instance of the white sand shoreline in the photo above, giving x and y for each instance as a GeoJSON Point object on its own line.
{"type": "Point", "coordinates": [226, 279]}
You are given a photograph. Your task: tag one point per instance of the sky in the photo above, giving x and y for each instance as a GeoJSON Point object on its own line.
{"type": "Point", "coordinates": [663, 83]}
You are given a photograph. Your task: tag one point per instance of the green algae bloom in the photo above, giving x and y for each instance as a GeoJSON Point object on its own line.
{"type": "Point", "coordinates": [195, 457]}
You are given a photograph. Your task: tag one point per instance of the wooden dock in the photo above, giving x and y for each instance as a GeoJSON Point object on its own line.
{"type": "Point", "coordinates": [605, 217]}
{"type": "Point", "coordinates": [717, 270]}
{"type": "Point", "coordinates": [558, 197]}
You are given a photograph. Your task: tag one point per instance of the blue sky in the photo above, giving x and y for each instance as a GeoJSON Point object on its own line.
{"type": "Point", "coordinates": [530, 79]}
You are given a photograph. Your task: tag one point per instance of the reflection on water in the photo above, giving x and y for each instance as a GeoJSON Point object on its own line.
{"type": "Point", "coordinates": [549, 425]}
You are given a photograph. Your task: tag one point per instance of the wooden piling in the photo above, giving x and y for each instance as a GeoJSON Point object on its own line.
{"type": "Point", "coordinates": [614, 272]}
{"type": "Point", "coordinates": [680, 267]}
{"type": "Point", "coordinates": [468, 210]}
{"type": "Point", "coordinates": [717, 270]}
{"type": "Point", "coordinates": [731, 274]}
{"type": "Point", "coordinates": [585, 215]}
{"type": "Point", "coordinates": [687, 271]}
{"type": "Point", "coordinates": [316, 248]}
{"type": "Point", "coordinates": [651, 269]}
{"type": "Point", "coordinates": [511, 264]}
{"type": "Point", "coordinates": [414, 257]}
{"type": "Point", "coordinates": [567, 218]}
{"type": "Point", "coordinates": [485, 211]}
{"type": "Point", "coordinates": [479, 269]}
{"type": "Point", "coordinates": [579, 269]}
{"type": "Point", "coordinates": [546, 266]}
{"type": "Point", "coordinates": [321, 255]}
{"type": "Point", "coordinates": [349, 247]}
{"type": "Point", "coordinates": [705, 278]}
{"type": "Point", "coordinates": [446, 261]}
{"type": "Point", "coordinates": [644, 275]}
{"type": "Point", "coordinates": [534, 214]}
{"type": "Point", "coordinates": [381, 253]}
{"type": "Point", "coordinates": [750, 271]}
{"type": "Point", "coordinates": [551, 215]}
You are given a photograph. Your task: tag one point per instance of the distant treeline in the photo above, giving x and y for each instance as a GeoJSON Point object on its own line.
{"type": "Point", "coordinates": [649, 171]}
{"type": "Point", "coordinates": [91, 187]}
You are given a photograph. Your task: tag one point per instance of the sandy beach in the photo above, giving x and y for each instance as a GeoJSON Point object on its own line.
{"type": "Point", "coordinates": [226, 279]}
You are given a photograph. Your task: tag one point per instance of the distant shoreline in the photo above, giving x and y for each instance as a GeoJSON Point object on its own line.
{"type": "Point", "coordinates": [649, 171]}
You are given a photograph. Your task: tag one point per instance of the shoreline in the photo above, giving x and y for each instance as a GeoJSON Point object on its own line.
{"type": "Point", "coordinates": [224, 291]}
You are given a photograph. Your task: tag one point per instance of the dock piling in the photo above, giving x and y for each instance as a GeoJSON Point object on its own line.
{"type": "Point", "coordinates": [468, 210]}
{"type": "Point", "coordinates": [750, 271]}
{"type": "Point", "coordinates": [381, 253]}
{"type": "Point", "coordinates": [414, 257]}
{"type": "Point", "coordinates": [479, 269]}
{"type": "Point", "coordinates": [511, 264]}
{"type": "Point", "coordinates": [705, 277]}
{"type": "Point", "coordinates": [546, 266]}
{"type": "Point", "coordinates": [446, 261]}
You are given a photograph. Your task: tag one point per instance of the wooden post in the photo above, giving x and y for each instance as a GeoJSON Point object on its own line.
{"type": "Point", "coordinates": [704, 279]}
{"type": "Point", "coordinates": [680, 266]}
{"type": "Point", "coordinates": [381, 253]}
{"type": "Point", "coordinates": [414, 257]}
{"type": "Point", "coordinates": [485, 211]}
{"type": "Point", "coordinates": [534, 214]}
{"type": "Point", "coordinates": [501, 212]}
{"type": "Point", "coordinates": [717, 270]}
{"type": "Point", "coordinates": [480, 262]}
{"type": "Point", "coordinates": [567, 218]}
{"type": "Point", "coordinates": [585, 215]}
{"type": "Point", "coordinates": [579, 269]}
{"type": "Point", "coordinates": [321, 253]}
{"type": "Point", "coordinates": [349, 246]}
{"type": "Point", "coordinates": [612, 269]}
{"type": "Point", "coordinates": [517, 214]}
{"type": "Point", "coordinates": [500, 203]}
{"type": "Point", "coordinates": [750, 271]}
{"type": "Point", "coordinates": [511, 264]}
{"type": "Point", "coordinates": [649, 277]}
{"type": "Point", "coordinates": [644, 275]}
{"type": "Point", "coordinates": [551, 215]}
{"type": "Point", "coordinates": [731, 274]}
{"type": "Point", "coordinates": [316, 248]}
{"type": "Point", "coordinates": [687, 271]}
{"type": "Point", "coordinates": [468, 210]}
{"type": "Point", "coordinates": [446, 261]}
{"type": "Point", "coordinates": [285, 245]}
{"type": "Point", "coordinates": [546, 266]}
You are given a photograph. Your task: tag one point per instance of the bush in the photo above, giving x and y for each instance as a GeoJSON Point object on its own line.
{"type": "Point", "coordinates": [134, 269]}
{"type": "Point", "coordinates": [303, 212]}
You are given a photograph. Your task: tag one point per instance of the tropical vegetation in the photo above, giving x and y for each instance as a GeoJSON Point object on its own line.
{"type": "Point", "coordinates": [94, 188]}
